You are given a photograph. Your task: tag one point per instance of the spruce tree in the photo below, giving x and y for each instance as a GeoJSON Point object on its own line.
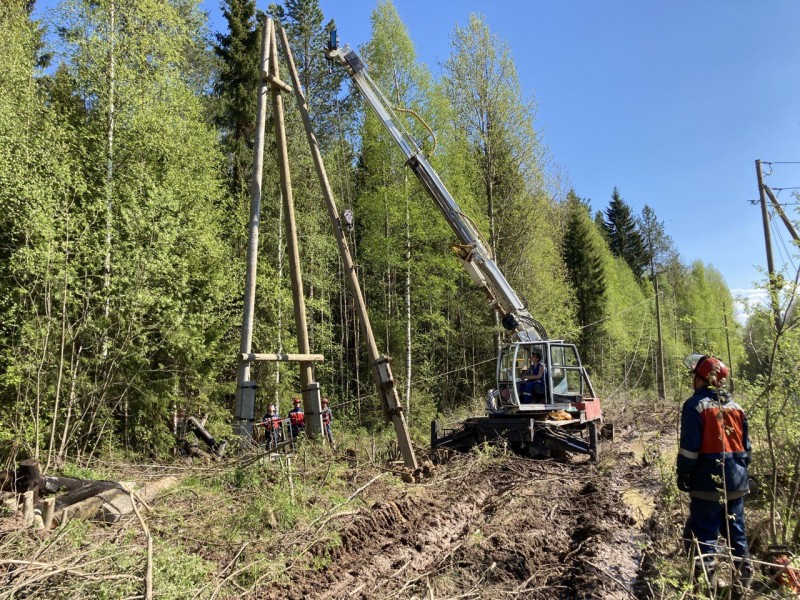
{"type": "Point", "coordinates": [658, 247]}
{"type": "Point", "coordinates": [584, 263]}
{"type": "Point", "coordinates": [623, 235]}
{"type": "Point", "coordinates": [321, 86]}
{"type": "Point", "coordinates": [238, 51]}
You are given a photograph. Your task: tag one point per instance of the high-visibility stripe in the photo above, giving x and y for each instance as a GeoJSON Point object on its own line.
{"type": "Point", "coordinates": [689, 454]}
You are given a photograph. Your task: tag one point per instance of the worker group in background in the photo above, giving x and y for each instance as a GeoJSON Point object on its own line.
{"type": "Point", "coordinates": [712, 466]}
{"type": "Point", "coordinates": [296, 421]}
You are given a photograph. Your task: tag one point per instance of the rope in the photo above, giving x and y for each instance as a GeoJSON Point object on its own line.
{"type": "Point", "coordinates": [635, 352]}
{"type": "Point", "coordinates": [624, 310]}
{"type": "Point", "coordinates": [420, 380]}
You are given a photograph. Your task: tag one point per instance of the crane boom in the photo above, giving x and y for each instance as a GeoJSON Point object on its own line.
{"type": "Point", "coordinates": [471, 251]}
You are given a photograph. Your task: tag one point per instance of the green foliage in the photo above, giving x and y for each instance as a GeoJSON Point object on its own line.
{"type": "Point", "coordinates": [773, 392]}
{"type": "Point", "coordinates": [321, 87]}
{"type": "Point", "coordinates": [402, 240]}
{"type": "Point", "coordinates": [122, 281]}
{"type": "Point", "coordinates": [175, 570]}
{"type": "Point", "coordinates": [496, 123]}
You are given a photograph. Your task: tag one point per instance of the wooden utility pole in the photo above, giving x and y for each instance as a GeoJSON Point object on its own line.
{"type": "Point", "coordinates": [728, 344]}
{"type": "Point", "coordinates": [311, 398]}
{"type": "Point", "coordinates": [381, 370]}
{"type": "Point", "coordinates": [773, 295]}
{"type": "Point", "coordinates": [245, 388]}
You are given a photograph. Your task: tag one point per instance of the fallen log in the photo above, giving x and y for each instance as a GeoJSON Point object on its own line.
{"type": "Point", "coordinates": [202, 434]}
{"type": "Point", "coordinates": [82, 491]}
{"type": "Point", "coordinates": [53, 484]}
{"type": "Point", "coordinates": [111, 504]}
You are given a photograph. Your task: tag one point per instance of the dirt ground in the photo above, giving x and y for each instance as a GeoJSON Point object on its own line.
{"type": "Point", "coordinates": [487, 527]}
{"type": "Point", "coordinates": [485, 524]}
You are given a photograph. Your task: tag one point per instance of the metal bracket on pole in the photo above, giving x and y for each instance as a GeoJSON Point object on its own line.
{"type": "Point", "coordinates": [312, 398]}
{"type": "Point", "coordinates": [245, 409]}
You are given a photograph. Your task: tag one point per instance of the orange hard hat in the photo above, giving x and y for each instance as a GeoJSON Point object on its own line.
{"type": "Point", "coordinates": [707, 368]}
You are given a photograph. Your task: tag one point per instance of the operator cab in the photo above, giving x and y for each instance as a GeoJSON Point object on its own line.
{"type": "Point", "coordinates": [565, 380]}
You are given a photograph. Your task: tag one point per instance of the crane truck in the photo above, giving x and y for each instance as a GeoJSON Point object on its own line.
{"type": "Point", "coordinates": [565, 415]}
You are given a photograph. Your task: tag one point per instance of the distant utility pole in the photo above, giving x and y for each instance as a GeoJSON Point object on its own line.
{"type": "Point", "coordinates": [773, 295]}
{"type": "Point", "coordinates": [728, 343]}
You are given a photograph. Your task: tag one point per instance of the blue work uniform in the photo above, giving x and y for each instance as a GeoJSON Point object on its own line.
{"type": "Point", "coordinates": [712, 466]}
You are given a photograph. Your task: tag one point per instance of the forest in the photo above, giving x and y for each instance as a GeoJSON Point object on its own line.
{"type": "Point", "coordinates": [126, 156]}
{"type": "Point", "coordinates": [126, 174]}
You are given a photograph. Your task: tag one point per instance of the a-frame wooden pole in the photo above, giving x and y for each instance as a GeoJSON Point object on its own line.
{"type": "Point", "coordinates": [245, 389]}
{"type": "Point", "coordinates": [311, 398]}
{"type": "Point", "coordinates": [381, 370]}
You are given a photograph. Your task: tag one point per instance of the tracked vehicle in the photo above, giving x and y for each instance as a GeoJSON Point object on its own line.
{"type": "Point", "coordinates": [564, 414]}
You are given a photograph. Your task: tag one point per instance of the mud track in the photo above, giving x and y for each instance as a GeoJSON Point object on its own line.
{"type": "Point", "coordinates": [482, 528]}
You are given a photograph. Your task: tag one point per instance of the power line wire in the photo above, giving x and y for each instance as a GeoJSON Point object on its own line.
{"type": "Point", "coordinates": [624, 310]}
{"type": "Point", "coordinates": [782, 247]}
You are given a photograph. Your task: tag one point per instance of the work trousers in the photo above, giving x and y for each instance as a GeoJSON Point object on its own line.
{"type": "Point", "coordinates": [710, 518]}
{"type": "Point", "coordinates": [329, 435]}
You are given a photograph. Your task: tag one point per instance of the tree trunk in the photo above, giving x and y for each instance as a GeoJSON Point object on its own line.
{"type": "Point", "coordinates": [662, 387]}
{"type": "Point", "coordinates": [408, 299]}
{"type": "Point", "coordinates": [109, 172]}
{"type": "Point", "coordinates": [493, 244]}
{"type": "Point", "coordinates": [59, 378]}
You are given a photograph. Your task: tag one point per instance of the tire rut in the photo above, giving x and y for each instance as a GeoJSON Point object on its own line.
{"type": "Point", "coordinates": [393, 539]}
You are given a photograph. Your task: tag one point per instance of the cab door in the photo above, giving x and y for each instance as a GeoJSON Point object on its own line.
{"type": "Point", "coordinates": [507, 377]}
{"type": "Point", "coordinates": [567, 375]}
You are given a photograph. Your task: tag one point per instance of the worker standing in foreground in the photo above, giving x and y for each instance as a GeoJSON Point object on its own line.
{"type": "Point", "coordinates": [327, 419]}
{"type": "Point", "coordinates": [297, 418]}
{"type": "Point", "coordinates": [712, 466]}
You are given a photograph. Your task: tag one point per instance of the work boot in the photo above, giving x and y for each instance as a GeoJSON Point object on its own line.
{"type": "Point", "coordinates": [741, 585]}
{"type": "Point", "coordinates": [705, 575]}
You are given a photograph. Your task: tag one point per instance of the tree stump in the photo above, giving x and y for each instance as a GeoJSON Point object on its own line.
{"type": "Point", "coordinates": [29, 478]}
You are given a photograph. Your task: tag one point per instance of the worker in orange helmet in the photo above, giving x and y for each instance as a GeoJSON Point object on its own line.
{"type": "Point", "coordinates": [297, 417]}
{"type": "Point", "coordinates": [327, 419]}
{"type": "Point", "coordinates": [712, 466]}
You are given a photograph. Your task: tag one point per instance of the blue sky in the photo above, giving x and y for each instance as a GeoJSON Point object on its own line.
{"type": "Point", "coordinates": [670, 101]}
